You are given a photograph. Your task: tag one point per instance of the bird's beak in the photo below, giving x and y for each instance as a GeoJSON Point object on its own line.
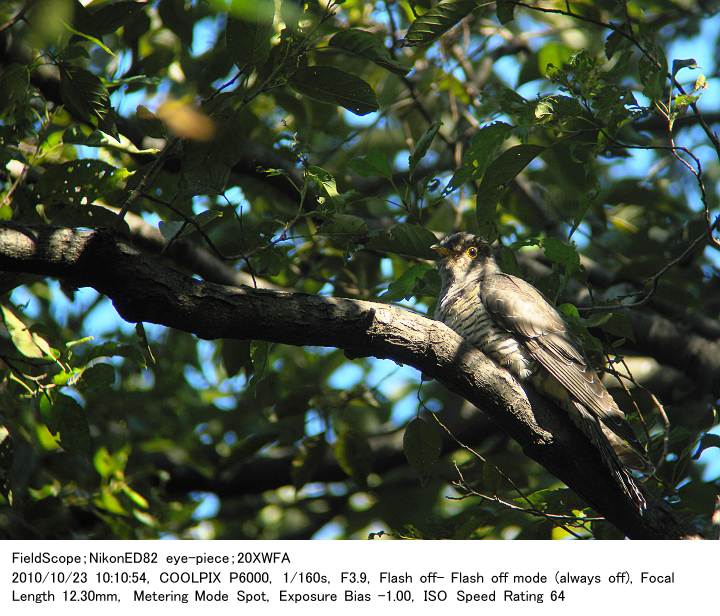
{"type": "Point", "coordinates": [441, 250]}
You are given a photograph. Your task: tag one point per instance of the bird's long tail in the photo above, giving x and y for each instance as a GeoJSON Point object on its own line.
{"type": "Point", "coordinates": [616, 453]}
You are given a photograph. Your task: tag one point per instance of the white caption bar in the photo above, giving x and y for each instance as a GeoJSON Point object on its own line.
{"type": "Point", "coordinates": [322, 577]}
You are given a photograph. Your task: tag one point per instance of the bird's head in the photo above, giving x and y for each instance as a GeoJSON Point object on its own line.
{"type": "Point", "coordinates": [462, 254]}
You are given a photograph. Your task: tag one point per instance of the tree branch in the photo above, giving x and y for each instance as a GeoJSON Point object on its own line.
{"type": "Point", "coordinates": [671, 341]}
{"type": "Point", "coordinates": [144, 289]}
{"type": "Point", "coordinates": [19, 16]}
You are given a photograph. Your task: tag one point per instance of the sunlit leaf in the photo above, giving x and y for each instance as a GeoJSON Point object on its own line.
{"type": "Point", "coordinates": [429, 26]}
{"type": "Point", "coordinates": [25, 341]}
{"type": "Point", "coordinates": [324, 179]}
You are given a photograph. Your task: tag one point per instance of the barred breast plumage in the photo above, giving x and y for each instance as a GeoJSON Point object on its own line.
{"type": "Point", "coordinates": [461, 309]}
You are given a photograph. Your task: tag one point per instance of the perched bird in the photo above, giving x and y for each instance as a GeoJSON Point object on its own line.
{"type": "Point", "coordinates": [512, 322]}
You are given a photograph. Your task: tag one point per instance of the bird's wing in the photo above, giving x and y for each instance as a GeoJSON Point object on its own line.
{"type": "Point", "coordinates": [522, 310]}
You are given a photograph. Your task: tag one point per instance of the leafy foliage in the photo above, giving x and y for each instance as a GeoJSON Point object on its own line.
{"type": "Point", "coordinates": [322, 147]}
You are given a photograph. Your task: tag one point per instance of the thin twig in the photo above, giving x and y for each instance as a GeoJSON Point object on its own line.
{"type": "Point", "coordinates": [19, 16]}
{"type": "Point", "coordinates": [531, 509]}
{"type": "Point", "coordinates": [711, 226]}
{"type": "Point", "coordinates": [267, 84]}
{"type": "Point", "coordinates": [671, 76]}
{"type": "Point", "coordinates": [463, 485]}
{"type": "Point", "coordinates": [656, 403]}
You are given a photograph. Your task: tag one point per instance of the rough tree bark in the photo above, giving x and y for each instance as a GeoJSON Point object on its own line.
{"type": "Point", "coordinates": [143, 288]}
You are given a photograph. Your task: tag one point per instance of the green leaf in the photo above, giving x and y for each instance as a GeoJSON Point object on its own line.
{"type": "Point", "coordinates": [491, 478]}
{"type": "Point", "coordinates": [109, 17]}
{"type": "Point", "coordinates": [7, 454]}
{"type": "Point", "coordinates": [14, 86]}
{"type": "Point", "coordinates": [678, 65]}
{"type": "Point", "coordinates": [422, 146]}
{"type": "Point", "coordinates": [26, 342]}
{"type": "Point", "coordinates": [248, 40]}
{"type": "Point", "coordinates": [308, 459]}
{"type": "Point", "coordinates": [144, 343]}
{"type": "Point", "coordinates": [366, 45]}
{"type": "Point", "coordinates": [259, 353]}
{"type": "Point", "coordinates": [107, 464]}
{"type": "Point", "coordinates": [250, 10]}
{"type": "Point", "coordinates": [79, 182]}
{"type": "Point", "coordinates": [497, 177]}
{"type": "Point", "coordinates": [553, 500]}
{"type": "Point", "coordinates": [99, 377]}
{"type": "Point", "coordinates": [553, 54]}
{"type": "Point", "coordinates": [65, 418]}
{"type": "Point", "coordinates": [79, 341]}
{"type": "Point", "coordinates": [404, 287]}
{"type": "Point", "coordinates": [171, 229]}
{"type": "Point", "coordinates": [236, 356]}
{"type": "Point", "coordinates": [620, 325]}
{"type": "Point", "coordinates": [331, 85]}
{"type": "Point", "coordinates": [324, 180]}
{"type": "Point", "coordinates": [374, 163]}
{"type": "Point", "coordinates": [505, 11]}
{"type": "Point", "coordinates": [684, 100]}
{"type": "Point", "coordinates": [504, 169]}
{"type": "Point", "coordinates": [344, 227]}
{"type": "Point", "coordinates": [115, 349]}
{"type": "Point", "coordinates": [406, 239]}
{"type": "Point", "coordinates": [354, 456]}
{"type": "Point", "coordinates": [483, 146]}
{"type": "Point", "coordinates": [203, 170]}
{"type": "Point", "coordinates": [89, 37]}
{"type": "Point", "coordinates": [569, 310]}
{"type": "Point", "coordinates": [137, 498]}
{"type": "Point", "coordinates": [652, 78]}
{"type": "Point", "coordinates": [178, 19]}
{"type": "Point", "coordinates": [706, 442]}
{"type": "Point", "coordinates": [439, 19]}
{"type": "Point", "coordinates": [83, 93]}
{"type": "Point", "coordinates": [67, 377]}
{"type": "Point", "coordinates": [563, 254]}
{"type": "Point", "coordinates": [422, 445]}
{"type": "Point", "coordinates": [81, 135]}
{"type": "Point", "coordinates": [613, 43]}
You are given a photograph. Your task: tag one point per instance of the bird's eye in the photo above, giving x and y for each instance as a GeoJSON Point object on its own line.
{"type": "Point", "coordinates": [472, 252]}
